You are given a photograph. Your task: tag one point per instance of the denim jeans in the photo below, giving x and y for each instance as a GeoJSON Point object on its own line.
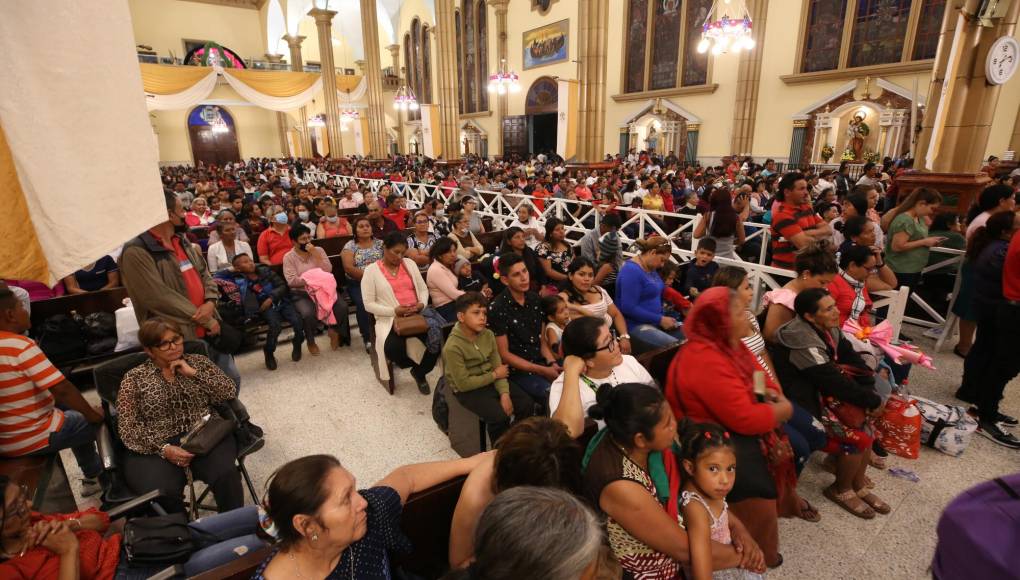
{"type": "Point", "coordinates": [536, 386]}
{"type": "Point", "coordinates": [364, 326]}
{"type": "Point", "coordinates": [234, 530]}
{"type": "Point", "coordinates": [805, 436]}
{"type": "Point", "coordinates": [646, 337]}
{"type": "Point", "coordinates": [275, 316]}
{"type": "Point", "coordinates": [226, 363]}
{"type": "Point", "coordinates": [80, 436]}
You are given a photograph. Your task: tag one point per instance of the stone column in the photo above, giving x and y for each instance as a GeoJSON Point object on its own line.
{"type": "Point", "coordinates": [745, 108]}
{"type": "Point", "coordinates": [593, 30]}
{"type": "Point", "coordinates": [395, 56]}
{"type": "Point", "coordinates": [500, 6]}
{"type": "Point", "coordinates": [447, 83]}
{"type": "Point", "coordinates": [1014, 141]}
{"type": "Point", "coordinates": [373, 76]}
{"type": "Point", "coordinates": [297, 65]}
{"type": "Point", "coordinates": [361, 66]}
{"type": "Point", "coordinates": [281, 118]}
{"type": "Point", "coordinates": [324, 27]}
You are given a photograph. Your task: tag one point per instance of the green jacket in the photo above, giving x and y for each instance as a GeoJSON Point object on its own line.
{"type": "Point", "coordinates": [469, 363]}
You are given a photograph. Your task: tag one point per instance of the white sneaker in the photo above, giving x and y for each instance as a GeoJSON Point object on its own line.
{"type": "Point", "coordinates": [935, 333]}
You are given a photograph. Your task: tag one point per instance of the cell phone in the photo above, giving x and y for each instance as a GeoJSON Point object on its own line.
{"type": "Point", "coordinates": [759, 386]}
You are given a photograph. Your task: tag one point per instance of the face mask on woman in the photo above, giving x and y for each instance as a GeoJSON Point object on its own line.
{"type": "Point", "coordinates": [280, 218]}
{"type": "Point", "coordinates": [303, 215]}
{"type": "Point", "coordinates": [333, 219]}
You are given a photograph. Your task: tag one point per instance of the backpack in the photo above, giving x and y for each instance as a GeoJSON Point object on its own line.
{"type": "Point", "coordinates": [977, 532]}
{"type": "Point", "coordinates": [440, 410]}
{"type": "Point", "coordinates": [61, 338]}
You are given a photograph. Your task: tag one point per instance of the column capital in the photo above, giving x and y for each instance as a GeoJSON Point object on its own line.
{"type": "Point", "coordinates": [393, 48]}
{"type": "Point", "coordinates": [320, 15]}
{"type": "Point", "coordinates": [499, 5]}
{"type": "Point", "coordinates": [361, 65]}
{"type": "Point", "coordinates": [274, 58]}
{"type": "Point", "coordinates": [293, 41]}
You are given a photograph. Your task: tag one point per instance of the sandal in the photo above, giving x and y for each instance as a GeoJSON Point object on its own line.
{"type": "Point", "coordinates": [849, 501]}
{"type": "Point", "coordinates": [873, 500]}
{"type": "Point", "coordinates": [808, 513]}
{"type": "Point", "coordinates": [877, 462]}
{"type": "Point", "coordinates": [829, 466]}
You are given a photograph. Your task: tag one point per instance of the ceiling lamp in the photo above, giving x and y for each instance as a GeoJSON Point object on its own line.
{"type": "Point", "coordinates": [318, 121]}
{"type": "Point", "coordinates": [347, 115]}
{"type": "Point", "coordinates": [726, 33]}
{"type": "Point", "coordinates": [404, 100]}
{"type": "Point", "coordinates": [504, 81]}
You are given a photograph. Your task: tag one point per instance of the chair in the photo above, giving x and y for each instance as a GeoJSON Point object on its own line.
{"type": "Point", "coordinates": [108, 377]}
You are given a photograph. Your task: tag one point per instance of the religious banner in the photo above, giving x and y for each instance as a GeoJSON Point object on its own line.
{"type": "Point", "coordinates": [546, 45]}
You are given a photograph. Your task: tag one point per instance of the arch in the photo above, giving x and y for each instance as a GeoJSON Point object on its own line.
{"type": "Point", "coordinates": [196, 55]}
{"type": "Point", "coordinates": [212, 135]}
{"type": "Point", "coordinates": [276, 27]}
{"type": "Point", "coordinates": [542, 97]}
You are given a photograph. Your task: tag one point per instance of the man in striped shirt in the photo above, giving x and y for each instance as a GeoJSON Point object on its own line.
{"type": "Point", "coordinates": [794, 223]}
{"type": "Point", "coordinates": [32, 395]}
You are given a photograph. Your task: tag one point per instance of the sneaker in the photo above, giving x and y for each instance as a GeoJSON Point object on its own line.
{"type": "Point", "coordinates": [1000, 419]}
{"type": "Point", "coordinates": [934, 333]}
{"type": "Point", "coordinates": [993, 432]}
{"type": "Point", "coordinates": [90, 486]}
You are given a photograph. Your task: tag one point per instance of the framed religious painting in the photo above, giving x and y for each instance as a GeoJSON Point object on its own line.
{"type": "Point", "coordinates": [546, 45]}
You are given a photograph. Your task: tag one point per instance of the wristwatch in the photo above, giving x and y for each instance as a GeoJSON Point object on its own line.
{"type": "Point", "coordinates": [623, 337]}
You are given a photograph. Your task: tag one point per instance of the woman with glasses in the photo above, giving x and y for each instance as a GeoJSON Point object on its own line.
{"type": "Point", "coordinates": [158, 403]}
{"type": "Point", "coordinates": [420, 241]}
{"type": "Point", "coordinates": [76, 545]}
{"type": "Point", "coordinates": [593, 360]}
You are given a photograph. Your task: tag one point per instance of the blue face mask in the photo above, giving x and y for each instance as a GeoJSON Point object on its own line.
{"type": "Point", "coordinates": [280, 218]}
{"type": "Point", "coordinates": [303, 215]}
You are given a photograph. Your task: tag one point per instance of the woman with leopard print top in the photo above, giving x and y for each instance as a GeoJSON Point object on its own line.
{"type": "Point", "coordinates": [158, 402]}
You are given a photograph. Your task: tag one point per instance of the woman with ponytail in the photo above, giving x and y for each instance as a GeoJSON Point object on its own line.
{"type": "Point", "coordinates": [632, 475]}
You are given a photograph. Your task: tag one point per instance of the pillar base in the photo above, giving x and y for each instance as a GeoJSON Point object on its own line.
{"type": "Point", "coordinates": [579, 166]}
{"type": "Point", "coordinates": [447, 164]}
{"type": "Point", "coordinates": [959, 190]}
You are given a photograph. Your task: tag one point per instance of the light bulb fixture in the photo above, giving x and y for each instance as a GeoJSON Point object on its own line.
{"type": "Point", "coordinates": [504, 81]}
{"type": "Point", "coordinates": [405, 100]}
{"type": "Point", "coordinates": [725, 33]}
{"type": "Point", "coordinates": [318, 121]}
{"type": "Point", "coordinates": [347, 115]}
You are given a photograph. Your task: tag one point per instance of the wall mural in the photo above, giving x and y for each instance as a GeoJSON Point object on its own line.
{"type": "Point", "coordinates": [546, 45]}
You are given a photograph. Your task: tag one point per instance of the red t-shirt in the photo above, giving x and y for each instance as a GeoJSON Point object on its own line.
{"type": "Point", "coordinates": [1011, 270]}
{"type": "Point", "coordinates": [788, 221]}
{"type": "Point", "coordinates": [398, 217]}
{"type": "Point", "coordinates": [844, 295]}
{"type": "Point", "coordinates": [97, 555]}
{"type": "Point", "coordinates": [192, 279]}
{"type": "Point", "coordinates": [275, 245]}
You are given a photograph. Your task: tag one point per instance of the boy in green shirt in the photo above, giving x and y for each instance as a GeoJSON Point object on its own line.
{"type": "Point", "coordinates": [475, 372]}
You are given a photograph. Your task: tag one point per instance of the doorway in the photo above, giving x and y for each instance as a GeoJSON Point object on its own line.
{"type": "Point", "coordinates": [213, 136]}
{"type": "Point", "coordinates": [540, 107]}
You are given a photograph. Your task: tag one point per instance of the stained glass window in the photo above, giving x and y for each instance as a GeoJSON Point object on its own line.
{"type": "Point", "coordinates": [470, 56]}
{"type": "Point", "coordinates": [695, 64]}
{"type": "Point", "coordinates": [462, 108]}
{"type": "Point", "coordinates": [637, 34]}
{"type": "Point", "coordinates": [483, 59]}
{"type": "Point", "coordinates": [824, 35]}
{"type": "Point", "coordinates": [879, 31]}
{"type": "Point", "coordinates": [665, 45]}
{"type": "Point", "coordinates": [929, 25]}
{"type": "Point", "coordinates": [426, 51]}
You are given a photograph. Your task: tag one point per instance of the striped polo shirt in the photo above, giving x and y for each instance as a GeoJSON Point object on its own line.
{"type": "Point", "coordinates": [787, 222]}
{"type": "Point", "coordinates": [27, 413]}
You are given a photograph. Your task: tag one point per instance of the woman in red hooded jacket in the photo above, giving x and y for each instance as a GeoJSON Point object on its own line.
{"type": "Point", "coordinates": [712, 380]}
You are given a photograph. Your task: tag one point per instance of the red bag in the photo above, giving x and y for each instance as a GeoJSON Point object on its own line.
{"type": "Point", "coordinates": [899, 429]}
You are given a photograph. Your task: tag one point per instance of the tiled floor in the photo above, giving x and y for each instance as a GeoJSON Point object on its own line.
{"type": "Point", "coordinates": [334, 404]}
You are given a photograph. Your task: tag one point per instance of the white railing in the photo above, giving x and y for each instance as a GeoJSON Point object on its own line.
{"type": "Point", "coordinates": [574, 214]}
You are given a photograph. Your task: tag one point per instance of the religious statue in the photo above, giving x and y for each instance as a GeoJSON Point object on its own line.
{"type": "Point", "coordinates": [856, 131]}
{"type": "Point", "coordinates": [652, 141]}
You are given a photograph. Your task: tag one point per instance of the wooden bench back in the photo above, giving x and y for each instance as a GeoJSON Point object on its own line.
{"type": "Point", "coordinates": [657, 362]}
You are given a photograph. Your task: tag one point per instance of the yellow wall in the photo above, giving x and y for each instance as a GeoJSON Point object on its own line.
{"type": "Point", "coordinates": [162, 24]}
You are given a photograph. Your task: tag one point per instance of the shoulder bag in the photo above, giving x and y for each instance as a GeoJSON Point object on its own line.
{"type": "Point", "coordinates": [206, 433]}
{"type": "Point", "coordinates": [413, 325]}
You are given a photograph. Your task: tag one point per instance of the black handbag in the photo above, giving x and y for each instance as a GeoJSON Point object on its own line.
{"type": "Point", "coordinates": [206, 433]}
{"type": "Point", "coordinates": [160, 540]}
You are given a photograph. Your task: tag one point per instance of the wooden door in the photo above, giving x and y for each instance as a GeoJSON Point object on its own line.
{"type": "Point", "coordinates": [515, 135]}
{"type": "Point", "coordinates": [217, 147]}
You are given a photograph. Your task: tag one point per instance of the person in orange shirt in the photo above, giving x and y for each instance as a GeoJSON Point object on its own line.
{"type": "Point", "coordinates": [396, 210]}
{"type": "Point", "coordinates": [540, 194]}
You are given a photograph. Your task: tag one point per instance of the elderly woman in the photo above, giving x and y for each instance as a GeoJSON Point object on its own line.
{"type": "Point", "coordinates": [468, 246]}
{"type": "Point", "coordinates": [538, 452]}
{"type": "Point", "coordinates": [475, 225]}
{"type": "Point", "coordinates": [645, 533]}
{"type": "Point", "coordinates": [534, 230]}
{"type": "Point", "coordinates": [823, 374]}
{"type": "Point", "coordinates": [330, 224]}
{"type": "Point", "coordinates": [420, 241]}
{"type": "Point", "coordinates": [712, 379]}
{"type": "Point", "coordinates": [305, 256]}
{"type": "Point", "coordinates": [639, 291]}
{"type": "Point", "coordinates": [199, 214]}
{"type": "Point", "coordinates": [441, 278]}
{"type": "Point", "coordinates": [593, 360]}
{"type": "Point", "coordinates": [325, 527]}
{"type": "Point", "coordinates": [221, 253]}
{"type": "Point", "coordinates": [358, 254]}
{"type": "Point", "coordinates": [392, 287]}
{"type": "Point", "coordinates": [158, 403]}
{"type": "Point", "coordinates": [227, 216]}
{"type": "Point", "coordinates": [585, 298]}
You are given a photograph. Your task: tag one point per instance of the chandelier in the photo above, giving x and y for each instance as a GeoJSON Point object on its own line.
{"type": "Point", "coordinates": [404, 100]}
{"type": "Point", "coordinates": [726, 33]}
{"type": "Point", "coordinates": [347, 115]}
{"type": "Point", "coordinates": [318, 121]}
{"type": "Point", "coordinates": [504, 81]}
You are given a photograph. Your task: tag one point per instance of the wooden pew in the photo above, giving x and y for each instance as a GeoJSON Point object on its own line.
{"type": "Point", "coordinates": [657, 362]}
{"type": "Point", "coordinates": [490, 241]}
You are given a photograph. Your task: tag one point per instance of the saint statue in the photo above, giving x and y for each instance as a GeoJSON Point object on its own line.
{"type": "Point", "coordinates": [652, 141]}
{"type": "Point", "coordinates": [856, 131]}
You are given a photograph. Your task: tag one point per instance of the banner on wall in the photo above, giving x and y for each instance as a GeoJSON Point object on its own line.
{"type": "Point", "coordinates": [431, 146]}
{"type": "Point", "coordinates": [566, 118]}
{"type": "Point", "coordinates": [78, 168]}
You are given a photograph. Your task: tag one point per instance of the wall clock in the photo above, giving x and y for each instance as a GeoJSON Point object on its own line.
{"type": "Point", "coordinates": [1002, 61]}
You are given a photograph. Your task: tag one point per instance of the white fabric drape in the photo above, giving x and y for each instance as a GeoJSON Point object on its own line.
{"type": "Point", "coordinates": [357, 92]}
{"type": "Point", "coordinates": [274, 103]}
{"type": "Point", "coordinates": [184, 99]}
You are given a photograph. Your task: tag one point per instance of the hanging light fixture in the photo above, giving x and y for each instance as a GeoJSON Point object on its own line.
{"type": "Point", "coordinates": [726, 33]}
{"type": "Point", "coordinates": [318, 121]}
{"type": "Point", "coordinates": [504, 81]}
{"type": "Point", "coordinates": [405, 100]}
{"type": "Point", "coordinates": [347, 115]}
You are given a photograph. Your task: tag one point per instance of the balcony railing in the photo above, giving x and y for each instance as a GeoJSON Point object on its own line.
{"type": "Point", "coordinates": [389, 82]}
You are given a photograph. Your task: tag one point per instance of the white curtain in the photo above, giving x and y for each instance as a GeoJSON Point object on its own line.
{"type": "Point", "coordinates": [184, 99]}
{"type": "Point", "coordinates": [357, 92]}
{"type": "Point", "coordinates": [273, 103]}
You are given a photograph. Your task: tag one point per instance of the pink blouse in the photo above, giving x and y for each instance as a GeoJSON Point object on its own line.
{"type": "Point", "coordinates": [403, 286]}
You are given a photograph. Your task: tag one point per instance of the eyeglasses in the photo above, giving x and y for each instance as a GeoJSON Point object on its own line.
{"type": "Point", "coordinates": [18, 507]}
{"type": "Point", "coordinates": [610, 346]}
{"type": "Point", "coordinates": [168, 344]}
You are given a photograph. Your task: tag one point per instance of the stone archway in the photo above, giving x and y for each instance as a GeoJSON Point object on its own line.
{"type": "Point", "coordinates": [540, 108]}
{"type": "Point", "coordinates": [473, 139]}
{"type": "Point", "coordinates": [665, 127]}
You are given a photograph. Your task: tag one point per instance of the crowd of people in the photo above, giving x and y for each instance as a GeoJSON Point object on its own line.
{"type": "Point", "coordinates": [538, 339]}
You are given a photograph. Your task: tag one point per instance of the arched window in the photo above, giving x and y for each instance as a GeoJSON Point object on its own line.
{"type": "Point", "coordinates": [472, 56]}
{"type": "Point", "coordinates": [839, 34]}
{"type": "Point", "coordinates": [660, 44]}
{"type": "Point", "coordinates": [418, 64]}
